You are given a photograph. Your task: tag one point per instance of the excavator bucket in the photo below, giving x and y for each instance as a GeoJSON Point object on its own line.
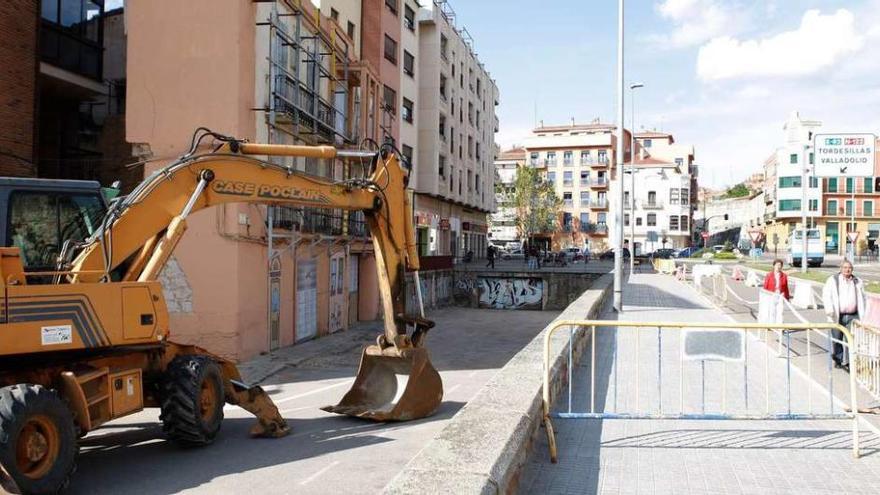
{"type": "Point", "coordinates": [7, 484]}
{"type": "Point", "coordinates": [394, 385]}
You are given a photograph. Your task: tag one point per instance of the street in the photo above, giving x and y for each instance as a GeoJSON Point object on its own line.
{"type": "Point", "coordinates": [326, 453]}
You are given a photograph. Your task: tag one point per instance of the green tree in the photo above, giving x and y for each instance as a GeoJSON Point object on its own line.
{"type": "Point", "coordinates": [738, 191]}
{"type": "Point", "coordinates": [535, 202]}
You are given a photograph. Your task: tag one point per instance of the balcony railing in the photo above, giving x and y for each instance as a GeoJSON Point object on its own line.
{"type": "Point", "coordinates": [585, 163]}
{"type": "Point", "coordinates": [594, 228]}
{"type": "Point", "coordinates": [585, 182]}
{"type": "Point", "coordinates": [599, 204]}
{"type": "Point", "coordinates": [549, 163]}
{"type": "Point", "coordinates": [599, 164]}
{"type": "Point", "coordinates": [603, 182]}
{"type": "Point", "coordinates": [585, 202]}
{"type": "Point", "coordinates": [652, 205]}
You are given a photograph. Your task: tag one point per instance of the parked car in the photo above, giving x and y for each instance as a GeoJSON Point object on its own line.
{"type": "Point", "coordinates": [664, 253]}
{"type": "Point", "coordinates": [609, 255]}
{"type": "Point", "coordinates": [574, 254]}
{"type": "Point", "coordinates": [687, 252]}
{"type": "Point", "coordinates": [512, 254]}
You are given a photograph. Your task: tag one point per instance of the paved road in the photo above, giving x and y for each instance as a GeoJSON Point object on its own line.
{"type": "Point", "coordinates": [694, 456]}
{"type": "Point", "coordinates": [326, 453]}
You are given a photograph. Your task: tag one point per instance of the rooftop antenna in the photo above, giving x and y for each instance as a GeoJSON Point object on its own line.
{"type": "Point", "coordinates": [572, 121]}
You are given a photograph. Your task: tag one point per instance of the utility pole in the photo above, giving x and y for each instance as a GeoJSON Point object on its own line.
{"type": "Point", "coordinates": [804, 208]}
{"type": "Point", "coordinates": [618, 253]}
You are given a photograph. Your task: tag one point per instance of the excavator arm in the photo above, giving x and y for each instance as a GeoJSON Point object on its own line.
{"type": "Point", "coordinates": [139, 235]}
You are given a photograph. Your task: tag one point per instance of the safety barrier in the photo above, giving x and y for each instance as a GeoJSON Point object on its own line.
{"type": "Point", "coordinates": [695, 343]}
{"type": "Point", "coordinates": [664, 266]}
{"type": "Point", "coordinates": [866, 358]}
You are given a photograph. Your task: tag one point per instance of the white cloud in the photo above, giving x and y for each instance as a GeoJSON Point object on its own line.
{"type": "Point", "coordinates": [819, 43]}
{"type": "Point", "coordinates": [697, 21]}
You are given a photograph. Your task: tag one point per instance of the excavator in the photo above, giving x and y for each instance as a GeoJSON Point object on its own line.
{"type": "Point", "coordinates": [86, 340]}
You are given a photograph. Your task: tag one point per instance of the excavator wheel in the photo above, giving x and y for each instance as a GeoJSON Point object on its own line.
{"type": "Point", "coordinates": [37, 439]}
{"type": "Point", "coordinates": [192, 400]}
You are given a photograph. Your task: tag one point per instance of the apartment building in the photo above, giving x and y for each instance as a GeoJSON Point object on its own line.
{"type": "Point", "coordinates": [832, 202]}
{"type": "Point", "coordinates": [456, 129]}
{"type": "Point", "coordinates": [278, 72]}
{"type": "Point", "coordinates": [502, 222]}
{"type": "Point", "coordinates": [62, 91]}
{"type": "Point", "coordinates": [579, 160]}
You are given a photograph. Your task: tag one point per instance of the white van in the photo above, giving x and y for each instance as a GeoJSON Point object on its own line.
{"type": "Point", "coordinates": [815, 248]}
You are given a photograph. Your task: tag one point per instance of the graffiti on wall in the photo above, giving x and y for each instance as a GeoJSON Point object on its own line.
{"type": "Point", "coordinates": [510, 293]}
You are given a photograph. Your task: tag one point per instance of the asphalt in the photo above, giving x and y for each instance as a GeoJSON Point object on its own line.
{"type": "Point", "coordinates": [326, 453]}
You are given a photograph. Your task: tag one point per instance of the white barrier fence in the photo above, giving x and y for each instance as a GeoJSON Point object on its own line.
{"type": "Point", "coordinates": [866, 362]}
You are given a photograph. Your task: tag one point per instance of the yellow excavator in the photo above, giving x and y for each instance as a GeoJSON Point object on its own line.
{"type": "Point", "coordinates": [84, 328]}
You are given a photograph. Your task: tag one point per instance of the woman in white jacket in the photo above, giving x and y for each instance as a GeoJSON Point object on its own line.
{"type": "Point", "coordinates": [843, 297]}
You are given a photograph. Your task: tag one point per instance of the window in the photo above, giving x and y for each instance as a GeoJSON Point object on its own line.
{"type": "Point", "coordinates": [566, 198]}
{"type": "Point", "coordinates": [814, 205]}
{"type": "Point", "coordinates": [390, 49]}
{"type": "Point", "coordinates": [850, 184]}
{"type": "Point", "coordinates": [812, 158]}
{"type": "Point", "coordinates": [551, 177]}
{"type": "Point", "coordinates": [334, 14]}
{"type": "Point", "coordinates": [652, 198]}
{"type": "Point", "coordinates": [409, 63]}
{"type": "Point", "coordinates": [407, 112]}
{"type": "Point", "coordinates": [442, 126]}
{"type": "Point", "coordinates": [390, 100]}
{"type": "Point", "coordinates": [792, 159]}
{"type": "Point", "coordinates": [567, 159]}
{"type": "Point", "coordinates": [452, 139]}
{"type": "Point", "coordinates": [407, 153]}
{"type": "Point", "coordinates": [551, 158]}
{"type": "Point", "coordinates": [685, 196]}
{"type": "Point", "coordinates": [585, 198]}
{"type": "Point", "coordinates": [600, 219]}
{"type": "Point", "coordinates": [443, 87]}
{"type": "Point", "coordinates": [673, 222]}
{"type": "Point", "coordinates": [647, 143]}
{"type": "Point", "coordinates": [585, 220]}
{"type": "Point", "coordinates": [586, 158]}
{"type": "Point", "coordinates": [673, 196]}
{"type": "Point", "coordinates": [638, 221]}
{"type": "Point", "coordinates": [849, 207]}
{"type": "Point", "coordinates": [443, 44]}
{"type": "Point", "coordinates": [869, 185]}
{"type": "Point", "coordinates": [603, 157]}
{"type": "Point", "coordinates": [868, 209]}
{"type": "Point", "coordinates": [39, 223]}
{"type": "Point", "coordinates": [442, 167]}
{"type": "Point", "coordinates": [409, 18]}
{"type": "Point", "coordinates": [533, 159]}
{"type": "Point", "coordinates": [652, 219]}
{"type": "Point", "coordinates": [832, 184]}
{"type": "Point", "coordinates": [585, 177]}
{"type": "Point", "coordinates": [566, 178]}
{"type": "Point", "coordinates": [684, 223]}
{"type": "Point", "coordinates": [789, 205]}
{"type": "Point", "coordinates": [679, 161]}
{"type": "Point", "coordinates": [392, 6]}
{"type": "Point", "coordinates": [350, 30]}
{"type": "Point", "coordinates": [814, 182]}
{"type": "Point", "coordinates": [626, 219]}
{"type": "Point", "coordinates": [832, 207]}
{"type": "Point", "coordinates": [789, 182]}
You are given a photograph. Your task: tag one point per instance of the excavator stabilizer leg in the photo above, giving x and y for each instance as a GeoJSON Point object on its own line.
{"type": "Point", "coordinates": [7, 484]}
{"type": "Point", "coordinates": [255, 400]}
{"type": "Point", "coordinates": [392, 385]}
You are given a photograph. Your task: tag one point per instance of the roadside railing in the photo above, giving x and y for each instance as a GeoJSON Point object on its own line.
{"type": "Point", "coordinates": [866, 358]}
{"type": "Point", "coordinates": [733, 349]}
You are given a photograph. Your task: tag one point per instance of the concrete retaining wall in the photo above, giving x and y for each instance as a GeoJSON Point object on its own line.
{"type": "Point", "coordinates": [558, 289]}
{"type": "Point", "coordinates": [484, 446]}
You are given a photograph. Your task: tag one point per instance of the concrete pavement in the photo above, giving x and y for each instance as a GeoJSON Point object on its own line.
{"type": "Point", "coordinates": [326, 453]}
{"type": "Point", "coordinates": [694, 456]}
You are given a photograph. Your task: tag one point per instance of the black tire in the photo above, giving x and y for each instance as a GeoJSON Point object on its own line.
{"type": "Point", "coordinates": [186, 419]}
{"type": "Point", "coordinates": [44, 417]}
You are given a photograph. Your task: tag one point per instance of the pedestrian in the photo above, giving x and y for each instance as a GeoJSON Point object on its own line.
{"type": "Point", "coordinates": [843, 297]}
{"type": "Point", "coordinates": [777, 281]}
{"type": "Point", "coordinates": [490, 255]}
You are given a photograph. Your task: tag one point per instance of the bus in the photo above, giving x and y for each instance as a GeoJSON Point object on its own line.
{"type": "Point", "coordinates": [815, 248]}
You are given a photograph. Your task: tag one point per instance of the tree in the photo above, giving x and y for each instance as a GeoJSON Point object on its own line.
{"type": "Point", "coordinates": [535, 202]}
{"type": "Point", "coordinates": [738, 191]}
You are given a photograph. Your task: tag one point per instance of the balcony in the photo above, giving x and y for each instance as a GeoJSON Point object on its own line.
{"type": "Point", "coordinates": [594, 228]}
{"type": "Point", "coordinates": [75, 48]}
{"type": "Point", "coordinates": [585, 182]}
{"type": "Point", "coordinates": [652, 205]}
{"type": "Point", "coordinates": [600, 183]}
{"type": "Point", "coordinates": [599, 204]}
{"type": "Point", "coordinates": [599, 164]}
{"type": "Point", "coordinates": [550, 163]}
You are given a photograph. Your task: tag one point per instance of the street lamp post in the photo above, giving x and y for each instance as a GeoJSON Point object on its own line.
{"type": "Point", "coordinates": [618, 253]}
{"type": "Point", "coordinates": [804, 179]}
{"type": "Point", "coordinates": [632, 170]}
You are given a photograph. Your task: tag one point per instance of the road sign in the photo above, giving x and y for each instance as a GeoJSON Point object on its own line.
{"type": "Point", "coordinates": [704, 235]}
{"type": "Point", "coordinates": [755, 235]}
{"type": "Point", "coordinates": [853, 236]}
{"type": "Point", "coordinates": [848, 155]}
{"type": "Point", "coordinates": [651, 236]}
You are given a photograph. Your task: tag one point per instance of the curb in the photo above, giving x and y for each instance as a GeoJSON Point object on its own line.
{"type": "Point", "coordinates": [483, 448]}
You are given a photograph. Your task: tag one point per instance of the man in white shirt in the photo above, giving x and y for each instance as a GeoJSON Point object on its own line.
{"type": "Point", "coordinates": [843, 297]}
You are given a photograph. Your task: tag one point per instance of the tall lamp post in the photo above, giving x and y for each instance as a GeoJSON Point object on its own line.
{"type": "Point", "coordinates": [632, 170]}
{"type": "Point", "coordinates": [618, 253]}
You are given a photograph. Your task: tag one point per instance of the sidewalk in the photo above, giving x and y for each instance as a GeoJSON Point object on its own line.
{"type": "Point", "coordinates": [694, 456]}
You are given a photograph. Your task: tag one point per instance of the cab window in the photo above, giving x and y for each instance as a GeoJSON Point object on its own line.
{"type": "Point", "coordinates": [40, 222]}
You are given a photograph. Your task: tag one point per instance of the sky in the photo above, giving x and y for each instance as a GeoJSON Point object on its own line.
{"type": "Point", "coordinates": [722, 75]}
